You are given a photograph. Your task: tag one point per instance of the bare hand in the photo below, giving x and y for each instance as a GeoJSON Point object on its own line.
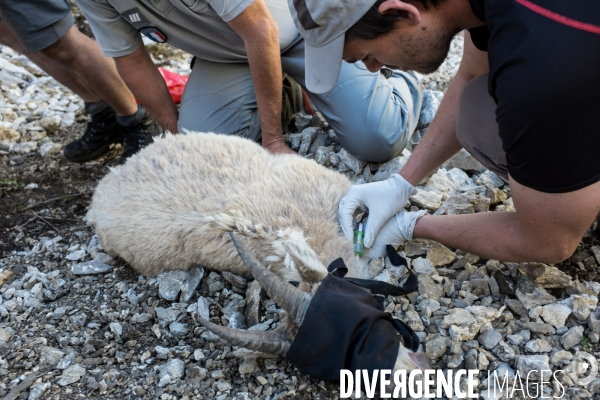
{"type": "Point", "coordinates": [278, 146]}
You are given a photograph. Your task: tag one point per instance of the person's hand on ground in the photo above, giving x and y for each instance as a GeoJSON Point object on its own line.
{"type": "Point", "coordinates": [398, 230]}
{"type": "Point", "coordinates": [382, 199]}
{"type": "Point", "coordinates": [278, 146]}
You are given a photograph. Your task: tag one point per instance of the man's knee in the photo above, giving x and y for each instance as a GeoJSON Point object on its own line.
{"type": "Point", "coordinates": [373, 116]}
{"type": "Point", "coordinates": [65, 49]}
{"type": "Point", "coordinates": [376, 137]}
{"type": "Point", "coordinates": [57, 52]}
{"type": "Point", "coordinates": [206, 114]}
{"type": "Point", "coordinates": [375, 146]}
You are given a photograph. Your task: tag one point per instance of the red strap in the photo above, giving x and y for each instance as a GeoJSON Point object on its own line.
{"type": "Point", "coordinates": [560, 18]}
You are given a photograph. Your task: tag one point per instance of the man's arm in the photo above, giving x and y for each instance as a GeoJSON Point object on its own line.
{"type": "Point", "coordinates": [547, 227]}
{"type": "Point", "coordinates": [259, 32]}
{"type": "Point", "coordinates": [440, 142]}
{"type": "Point", "coordinates": [147, 84]}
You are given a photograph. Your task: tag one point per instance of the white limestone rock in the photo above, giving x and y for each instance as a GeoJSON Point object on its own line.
{"type": "Point", "coordinates": [464, 203]}
{"type": "Point", "coordinates": [534, 364]}
{"type": "Point", "coordinates": [489, 179]}
{"type": "Point", "coordinates": [50, 148]}
{"type": "Point", "coordinates": [464, 161]}
{"type": "Point", "coordinates": [547, 276]}
{"type": "Point", "coordinates": [170, 283]}
{"type": "Point", "coordinates": [555, 314]}
{"type": "Point", "coordinates": [461, 324]}
{"type": "Point", "coordinates": [424, 199]}
{"type": "Point", "coordinates": [572, 337]}
{"type": "Point", "coordinates": [429, 108]}
{"type": "Point", "coordinates": [51, 123]}
{"type": "Point", "coordinates": [24, 147]}
{"type": "Point", "coordinates": [484, 314]}
{"type": "Point", "coordinates": [423, 266]}
{"type": "Point", "coordinates": [72, 375]}
{"type": "Point", "coordinates": [9, 135]}
{"type": "Point", "coordinates": [391, 167]}
{"type": "Point", "coordinates": [351, 162]}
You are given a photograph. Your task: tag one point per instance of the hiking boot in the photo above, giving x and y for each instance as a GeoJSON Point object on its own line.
{"type": "Point", "coordinates": [102, 130]}
{"type": "Point", "coordinates": [136, 133]}
{"type": "Point", "coordinates": [135, 138]}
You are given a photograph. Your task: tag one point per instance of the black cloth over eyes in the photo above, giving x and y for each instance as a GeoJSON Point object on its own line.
{"type": "Point", "coordinates": [345, 328]}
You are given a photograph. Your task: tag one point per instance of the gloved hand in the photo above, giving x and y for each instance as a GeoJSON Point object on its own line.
{"type": "Point", "coordinates": [383, 199]}
{"type": "Point", "coordinates": [398, 230]}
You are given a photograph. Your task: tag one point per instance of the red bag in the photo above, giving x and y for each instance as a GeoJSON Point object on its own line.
{"type": "Point", "coordinates": [175, 83]}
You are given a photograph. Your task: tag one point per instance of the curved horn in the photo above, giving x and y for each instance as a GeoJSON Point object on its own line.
{"type": "Point", "coordinates": [268, 342]}
{"type": "Point", "coordinates": [293, 300]}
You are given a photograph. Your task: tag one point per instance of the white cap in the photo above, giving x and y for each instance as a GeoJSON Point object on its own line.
{"type": "Point", "coordinates": [323, 24]}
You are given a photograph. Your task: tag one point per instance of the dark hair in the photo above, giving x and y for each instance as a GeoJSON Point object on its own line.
{"type": "Point", "coordinates": [374, 24]}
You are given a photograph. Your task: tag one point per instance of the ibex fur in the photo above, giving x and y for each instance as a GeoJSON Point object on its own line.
{"type": "Point", "coordinates": [172, 205]}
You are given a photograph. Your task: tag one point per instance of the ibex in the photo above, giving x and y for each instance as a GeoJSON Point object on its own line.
{"type": "Point", "coordinates": [170, 207]}
{"type": "Point", "coordinates": [173, 205]}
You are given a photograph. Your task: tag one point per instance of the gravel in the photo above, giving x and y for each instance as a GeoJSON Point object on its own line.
{"type": "Point", "coordinates": [75, 323]}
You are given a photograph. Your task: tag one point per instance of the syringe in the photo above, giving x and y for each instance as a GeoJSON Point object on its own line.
{"type": "Point", "coordinates": [359, 236]}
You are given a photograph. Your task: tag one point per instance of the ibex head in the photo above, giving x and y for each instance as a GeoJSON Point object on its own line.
{"type": "Point", "coordinates": [333, 325]}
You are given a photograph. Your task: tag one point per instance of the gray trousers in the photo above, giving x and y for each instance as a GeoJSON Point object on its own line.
{"type": "Point", "coordinates": [373, 117]}
{"type": "Point", "coordinates": [37, 24]}
{"type": "Point", "coordinates": [477, 129]}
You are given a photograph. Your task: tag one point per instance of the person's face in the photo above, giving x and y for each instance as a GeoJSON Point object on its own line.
{"type": "Point", "coordinates": [419, 48]}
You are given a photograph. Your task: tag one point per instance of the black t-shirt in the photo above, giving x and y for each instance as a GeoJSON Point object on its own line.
{"type": "Point", "coordinates": [545, 78]}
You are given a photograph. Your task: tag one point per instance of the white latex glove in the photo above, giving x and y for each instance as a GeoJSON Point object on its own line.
{"type": "Point", "coordinates": [398, 230]}
{"type": "Point", "coordinates": [382, 199]}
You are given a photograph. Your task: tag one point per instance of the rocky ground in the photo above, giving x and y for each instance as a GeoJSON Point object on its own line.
{"type": "Point", "coordinates": [76, 323]}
